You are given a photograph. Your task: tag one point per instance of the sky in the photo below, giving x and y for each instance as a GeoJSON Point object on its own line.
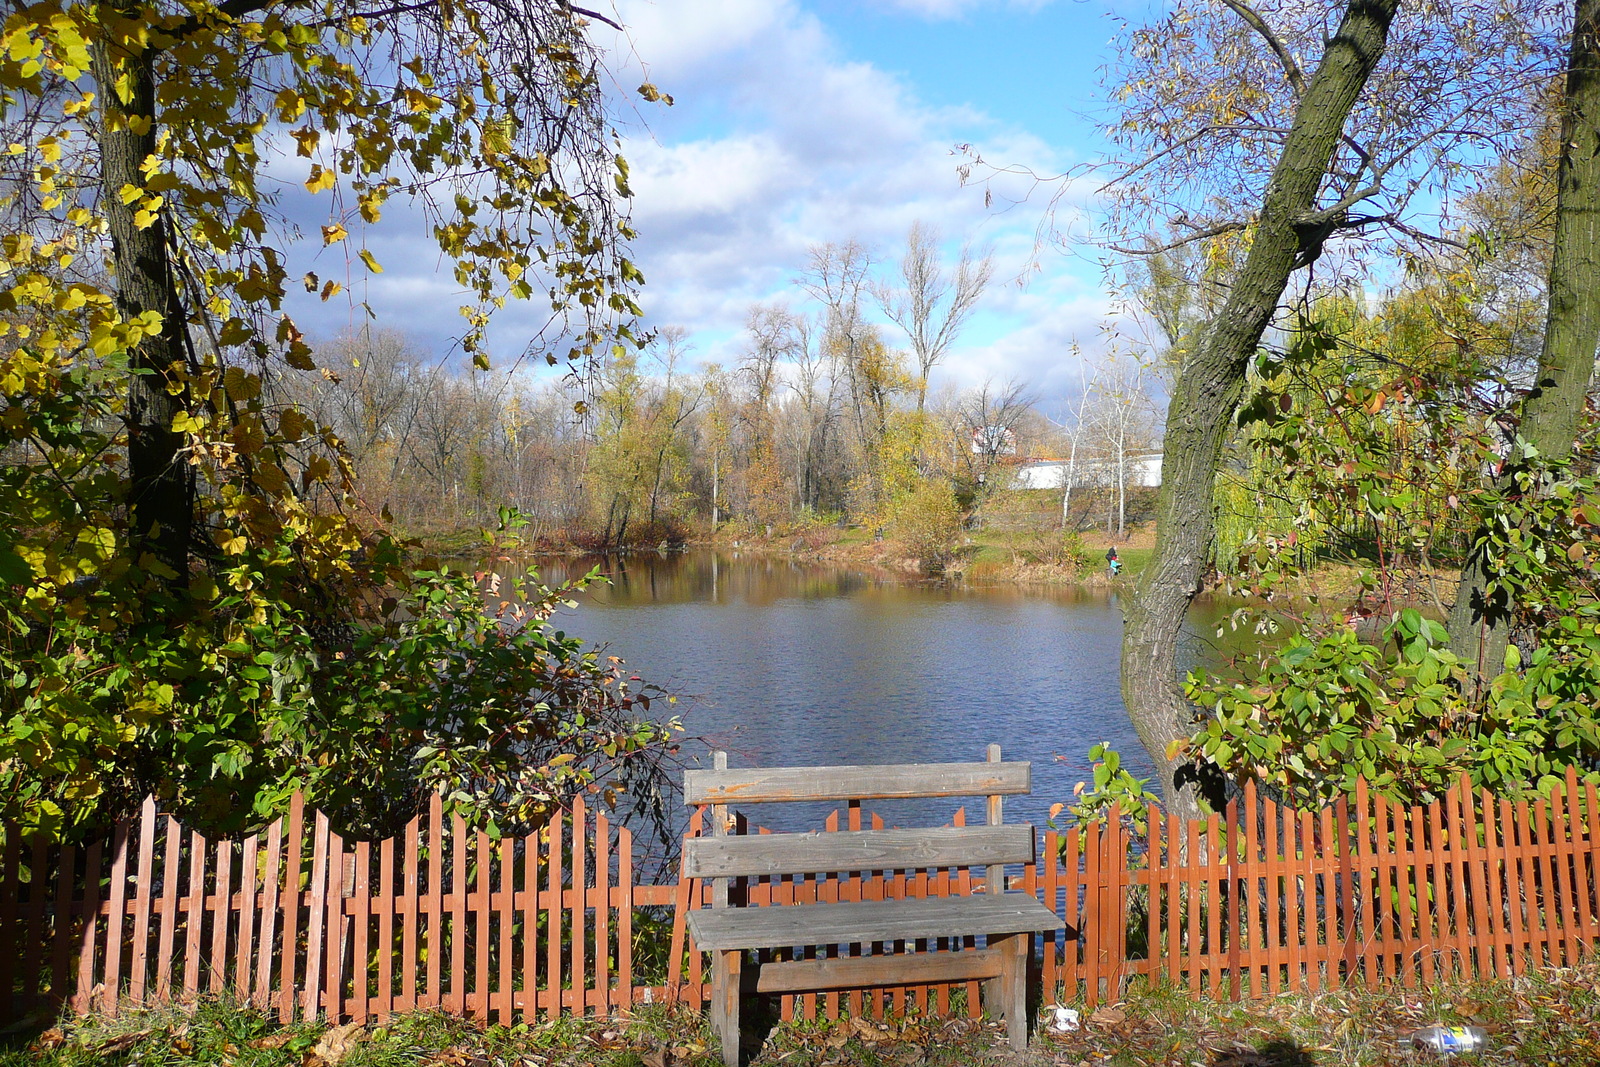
{"type": "Point", "coordinates": [799, 122]}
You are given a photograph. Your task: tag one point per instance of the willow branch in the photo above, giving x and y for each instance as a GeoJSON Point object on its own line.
{"type": "Point", "coordinates": [1291, 70]}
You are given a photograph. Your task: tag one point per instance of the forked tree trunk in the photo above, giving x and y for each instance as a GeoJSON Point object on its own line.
{"type": "Point", "coordinates": [161, 494]}
{"type": "Point", "coordinates": [1208, 391]}
{"type": "Point", "coordinates": [1552, 413]}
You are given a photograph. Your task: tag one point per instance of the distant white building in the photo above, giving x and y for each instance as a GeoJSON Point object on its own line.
{"type": "Point", "coordinates": [1142, 470]}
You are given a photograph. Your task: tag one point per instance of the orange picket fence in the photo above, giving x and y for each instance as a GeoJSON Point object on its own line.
{"type": "Point", "coordinates": [1258, 900]}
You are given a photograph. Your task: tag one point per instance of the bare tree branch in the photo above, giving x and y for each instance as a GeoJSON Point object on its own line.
{"type": "Point", "coordinates": [1291, 70]}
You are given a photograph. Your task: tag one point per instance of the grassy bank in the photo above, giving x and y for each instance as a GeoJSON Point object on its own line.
{"type": "Point", "coordinates": [1533, 1020]}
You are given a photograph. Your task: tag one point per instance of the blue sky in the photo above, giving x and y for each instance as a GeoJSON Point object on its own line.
{"type": "Point", "coordinates": [798, 122]}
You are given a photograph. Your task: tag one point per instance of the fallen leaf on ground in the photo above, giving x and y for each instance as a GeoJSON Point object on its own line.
{"type": "Point", "coordinates": [656, 1057]}
{"type": "Point", "coordinates": [866, 1031]}
{"type": "Point", "coordinates": [1108, 1017]}
{"type": "Point", "coordinates": [277, 1040]}
{"type": "Point", "coordinates": [52, 1038]}
{"type": "Point", "coordinates": [122, 1041]}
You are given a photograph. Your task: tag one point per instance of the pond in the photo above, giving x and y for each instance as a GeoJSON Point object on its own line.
{"type": "Point", "coordinates": [783, 662]}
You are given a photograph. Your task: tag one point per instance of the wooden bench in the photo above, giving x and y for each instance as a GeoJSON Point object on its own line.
{"type": "Point", "coordinates": [1007, 921]}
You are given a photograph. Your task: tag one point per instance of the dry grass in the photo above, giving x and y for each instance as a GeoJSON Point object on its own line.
{"type": "Point", "coordinates": [1534, 1020]}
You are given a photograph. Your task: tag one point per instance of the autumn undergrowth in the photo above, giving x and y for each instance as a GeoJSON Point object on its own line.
{"type": "Point", "coordinates": [1551, 1017]}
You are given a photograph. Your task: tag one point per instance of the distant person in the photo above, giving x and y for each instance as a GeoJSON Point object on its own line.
{"type": "Point", "coordinates": [1112, 562]}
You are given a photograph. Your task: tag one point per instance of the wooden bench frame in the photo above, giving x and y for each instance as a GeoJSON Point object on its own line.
{"type": "Point", "coordinates": [1007, 921]}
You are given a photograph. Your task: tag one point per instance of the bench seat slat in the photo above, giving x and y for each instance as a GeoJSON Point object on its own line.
{"type": "Point", "coordinates": [857, 850]}
{"type": "Point", "coordinates": [865, 972]}
{"type": "Point", "coordinates": [795, 925]}
{"type": "Point", "coordinates": [888, 782]}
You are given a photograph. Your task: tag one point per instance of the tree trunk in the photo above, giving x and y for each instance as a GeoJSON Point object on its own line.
{"type": "Point", "coordinates": [1207, 393]}
{"type": "Point", "coordinates": [161, 489]}
{"type": "Point", "coordinates": [1552, 412]}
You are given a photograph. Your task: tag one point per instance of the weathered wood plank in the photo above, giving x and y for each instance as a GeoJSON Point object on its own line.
{"type": "Point", "coordinates": [872, 920]}
{"type": "Point", "coordinates": [865, 972]}
{"type": "Point", "coordinates": [857, 850]}
{"type": "Point", "coordinates": [891, 781]}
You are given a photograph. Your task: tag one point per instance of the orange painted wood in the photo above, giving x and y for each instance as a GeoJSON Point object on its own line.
{"type": "Point", "coordinates": [625, 918]}
{"type": "Point", "coordinates": [172, 848]}
{"type": "Point", "coordinates": [1049, 966]}
{"type": "Point", "coordinates": [1272, 896]}
{"type": "Point", "coordinates": [290, 899]}
{"type": "Point", "coordinates": [316, 919]}
{"type": "Point", "coordinates": [1500, 939]}
{"type": "Point", "coordinates": [1249, 915]}
{"type": "Point", "coordinates": [217, 972]}
{"type": "Point", "coordinates": [434, 996]}
{"type": "Point", "coordinates": [1566, 910]}
{"type": "Point", "coordinates": [1327, 867]}
{"type": "Point", "coordinates": [362, 963]}
{"type": "Point", "coordinates": [1205, 894]}
{"type": "Point", "coordinates": [460, 846]}
{"type": "Point", "coordinates": [680, 915]}
{"type": "Point", "coordinates": [1153, 910]}
{"type": "Point", "coordinates": [506, 916]}
{"type": "Point", "coordinates": [1093, 917]}
{"type": "Point", "coordinates": [87, 939]}
{"type": "Point", "coordinates": [554, 924]}
{"type": "Point", "coordinates": [1293, 910]}
{"type": "Point", "coordinates": [383, 957]}
{"type": "Point", "coordinates": [1385, 843]}
{"type": "Point", "coordinates": [1459, 941]}
{"type": "Point", "coordinates": [580, 877]}
{"type": "Point", "coordinates": [243, 968]}
{"type": "Point", "coordinates": [1235, 950]}
{"type": "Point", "coordinates": [1548, 953]}
{"type": "Point", "coordinates": [194, 922]}
{"type": "Point", "coordinates": [333, 933]}
{"type": "Point", "coordinates": [1427, 893]}
{"type": "Point", "coordinates": [1477, 931]}
{"type": "Point", "coordinates": [479, 1002]}
{"type": "Point", "coordinates": [112, 993]}
{"type": "Point", "coordinates": [530, 928]}
{"type": "Point", "coordinates": [410, 931]}
{"type": "Point", "coordinates": [262, 992]}
{"type": "Point", "coordinates": [1577, 858]}
{"type": "Point", "coordinates": [138, 967]}
{"type": "Point", "coordinates": [1591, 855]}
{"type": "Point", "coordinates": [1306, 866]}
{"type": "Point", "coordinates": [1177, 870]}
{"type": "Point", "coordinates": [1362, 879]}
{"type": "Point", "coordinates": [1510, 843]}
{"type": "Point", "coordinates": [602, 915]}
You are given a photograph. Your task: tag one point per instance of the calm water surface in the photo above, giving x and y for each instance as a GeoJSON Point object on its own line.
{"type": "Point", "coordinates": [784, 663]}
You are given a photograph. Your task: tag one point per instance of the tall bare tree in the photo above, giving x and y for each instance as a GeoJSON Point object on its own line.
{"type": "Point", "coordinates": [930, 303]}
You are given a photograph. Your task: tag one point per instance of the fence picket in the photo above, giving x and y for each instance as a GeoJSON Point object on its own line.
{"type": "Point", "coordinates": [82, 998]}
{"type": "Point", "coordinates": [553, 923]}
{"type": "Point", "coordinates": [242, 969]}
{"type": "Point", "coordinates": [1566, 886]}
{"type": "Point", "coordinates": [217, 973]}
{"type": "Point", "coordinates": [61, 931]}
{"type": "Point", "coordinates": [290, 902]}
{"type": "Point", "coordinates": [262, 993]}
{"type": "Point", "coordinates": [172, 853]}
{"type": "Point", "coordinates": [142, 899]}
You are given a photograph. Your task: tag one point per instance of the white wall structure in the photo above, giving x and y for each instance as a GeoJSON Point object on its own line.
{"type": "Point", "coordinates": [1142, 470]}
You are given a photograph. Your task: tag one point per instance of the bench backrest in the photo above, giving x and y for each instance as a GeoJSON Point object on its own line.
{"type": "Point", "coordinates": [720, 856]}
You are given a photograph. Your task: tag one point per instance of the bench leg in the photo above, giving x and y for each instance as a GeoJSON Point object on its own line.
{"type": "Point", "coordinates": [1009, 993]}
{"type": "Point", "coordinates": [725, 978]}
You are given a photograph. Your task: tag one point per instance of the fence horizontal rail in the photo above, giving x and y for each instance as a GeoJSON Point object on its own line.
{"type": "Point", "coordinates": [1257, 900]}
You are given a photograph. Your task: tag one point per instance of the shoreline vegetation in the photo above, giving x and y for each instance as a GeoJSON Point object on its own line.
{"type": "Point", "coordinates": [993, 557]}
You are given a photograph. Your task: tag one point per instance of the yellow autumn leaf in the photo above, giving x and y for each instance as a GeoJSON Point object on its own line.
{"type": "Point", "coordinates": [371, 262]}
{"type": "Point", "coordinates": [320, 179]}
{"type": "Point", "coordinates": [334, 233]}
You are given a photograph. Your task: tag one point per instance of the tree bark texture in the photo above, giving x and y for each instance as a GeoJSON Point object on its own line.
{"type": "Point", "coordinates": [1207, 394]}
{"type": "Point", "coordinates": [161, 491]}
{"type": "Point", "coordinates": [1552, 412]}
